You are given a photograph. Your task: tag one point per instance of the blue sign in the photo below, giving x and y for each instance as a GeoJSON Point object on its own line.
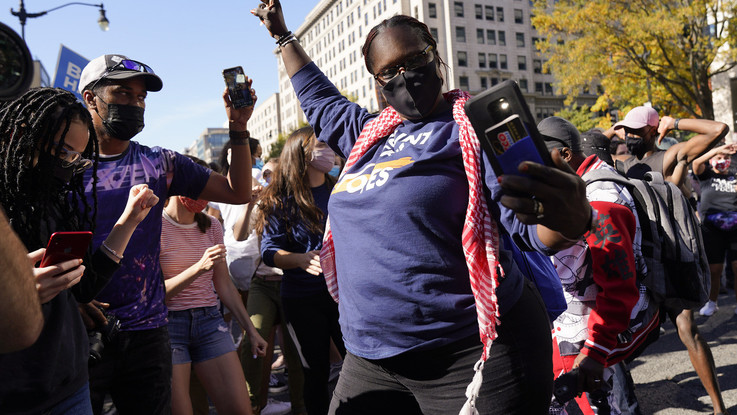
{"type": "Point", "coordinates": [69, 70]}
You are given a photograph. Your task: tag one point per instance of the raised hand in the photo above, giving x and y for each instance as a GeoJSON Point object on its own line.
{"type": "Point", "coordinates": [213, 255]}
{"type": "Point", "coordinates": [270, 13]}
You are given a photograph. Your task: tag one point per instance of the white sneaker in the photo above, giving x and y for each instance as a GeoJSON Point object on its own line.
{"type": "Point", "coordinates": [709, 308]}
{"type": "Point", "coordinates": [274, 407]}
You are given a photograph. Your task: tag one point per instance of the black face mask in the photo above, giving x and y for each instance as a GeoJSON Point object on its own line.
{"type": "Point", "coordinates": [123, 121]}
{"type": "Point", "coordinates": [413, 93]}
{"type": "Point", "coordinates": [61, 175]}
{"type": "Point", "coordinates": [636, 145]}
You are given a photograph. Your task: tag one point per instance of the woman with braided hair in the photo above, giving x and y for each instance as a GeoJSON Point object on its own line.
{"type": "Point", "coordinates": [419, 239]}
{"type": "Point", "coordinates": [46, 140]}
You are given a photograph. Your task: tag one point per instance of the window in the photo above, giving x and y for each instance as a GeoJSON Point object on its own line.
{"type": "Point", "coordinates": [537, 66]}
{"type": "Point", "coordinates": [458, 7]}
{"type": "Point", "coordinates": [489, 12]}
{"type": "Point", "coordinates": [432, 10]}
{"type": "Point", "coordinates": [502, 61]}
{"type": "Point", "coordinates": [460, 34]}
{"type": "Point", "coordinates": [482, 60]}
{"type": "Point", "coordinates": [502, 38]}
{"type": "Point", "coordinates": [520, 39]}
{"type": "Point", "coordinates": [523, 85]}
{"type": "Point", "coordinates": [434, 33]}
{"type": "Point", "coordinates": [462, 59]}
{"type": "Point", "coordinates": [484, 82]}
{"type": "Point", "coordinates": [518, 16]}
{"type": "Point", "coordinates": [548, 88]}
{"type": "Point", "coordinates": [539, 87]}
{"type": "Point", "coordinates": [491, 37]}
{"type": "Point", "coordinates": [522, 63]}
{"type": "Point", "coordinates": [494, 81]}
{"type": "Point", "coordinates": [479, 11]}
{"type": "Point", "coordinates": [463, 82]}
{"type": "Point", "coordinates": [492, 61]}
{"type": "Point", "coordinates": [500, 14]}
{"type": "Point", "coordinates": [480, 36]}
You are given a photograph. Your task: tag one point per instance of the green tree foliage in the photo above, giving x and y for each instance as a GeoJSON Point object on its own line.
{"type": "Point", "coordinates": [583, 118]}
{"type": "Point", "coordinates": [676, 45]}
{"type": "Point", "coordinates": [276, 148]}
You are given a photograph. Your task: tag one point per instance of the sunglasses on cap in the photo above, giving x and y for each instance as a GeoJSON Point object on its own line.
{"type": "Point", "coordinates": [124, 65]}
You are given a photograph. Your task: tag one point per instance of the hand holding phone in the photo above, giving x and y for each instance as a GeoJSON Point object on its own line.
{"type": "Point", "coordinates": [239, 88]}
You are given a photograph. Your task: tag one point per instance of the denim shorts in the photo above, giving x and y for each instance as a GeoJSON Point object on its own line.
{"type": "Point", "coordinates": [198, 334]}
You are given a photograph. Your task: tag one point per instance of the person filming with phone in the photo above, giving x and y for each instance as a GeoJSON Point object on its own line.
{"type": "Point", "coordinates": [46, 143]}
{"type": "Point", "coordinates": [136, 369]}
{"type": "Point", "coordinates": [418, 241]}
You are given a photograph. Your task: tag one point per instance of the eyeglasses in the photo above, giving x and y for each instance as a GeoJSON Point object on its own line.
{"type": "Point", "coordinates": [414, 62]}
{"type": "Point", "coordinates": [127, 65]}
{"type": "Point", "coordinates": [71, 158]}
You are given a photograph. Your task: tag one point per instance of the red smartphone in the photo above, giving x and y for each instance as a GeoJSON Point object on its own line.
{"type": "Point", "coordinates": [64, 246]}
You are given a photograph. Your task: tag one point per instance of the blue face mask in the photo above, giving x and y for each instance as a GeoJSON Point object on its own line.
{"type": "Point", "coordinates": [259, 163]}
{"type": "Point", "coordinates": [335, 171]}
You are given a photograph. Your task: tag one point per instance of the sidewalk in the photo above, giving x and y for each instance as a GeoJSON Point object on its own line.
{"type": "Point", "coordinates": [666, 383]}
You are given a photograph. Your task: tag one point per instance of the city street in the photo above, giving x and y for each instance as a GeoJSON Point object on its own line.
{"type": "Point", "coordinates": [666, 383]}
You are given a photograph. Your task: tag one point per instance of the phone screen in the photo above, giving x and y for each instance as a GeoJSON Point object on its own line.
{"type": "Point", "coordinates": [238, 89]}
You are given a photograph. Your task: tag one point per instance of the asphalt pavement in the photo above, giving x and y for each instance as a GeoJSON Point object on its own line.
{"type": "Point", "coordinates": [665, 380]}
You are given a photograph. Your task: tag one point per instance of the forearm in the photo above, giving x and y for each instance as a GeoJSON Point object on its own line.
{"type": "Point", "coordinates": [117, 240]}
{"type": "Point", "coordinates": [709, 133]}
{"type": "Point", "coordinates": [230, 296]}
{"type": "Point", "coordinates": [20, 306]}
{"type": "Point", "coordinates": [699, 164]}
{"type": "Point", "coordinates": [294, 57]}
{"type": "Point", "coordinates": [179, 282]}
{"type": "Point", "coordinates": [239, 174]}
{"type": "Point", "coordinates": [288, 260]}
{"type": "Point", "coordinates": [241, 228]}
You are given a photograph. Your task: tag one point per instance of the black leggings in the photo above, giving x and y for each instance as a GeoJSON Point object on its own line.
{"type": "Point", "coordinates": [313, 321]}
{"type": "Point", "coordinates": [517, 375]}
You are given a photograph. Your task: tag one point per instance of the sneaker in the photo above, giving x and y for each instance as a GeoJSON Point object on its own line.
{"type": "Point", "coordinates": [274, 407]}
{"type": "Point", "coordinates": [709, 308]}
{"type": "Point", "coordinates": [276, 385]}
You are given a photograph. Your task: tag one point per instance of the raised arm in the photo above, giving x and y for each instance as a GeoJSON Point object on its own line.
{"type": "Point", "coordinates": [701, 163]}
{"type": "Point", "coordinates": [708, 134]}
{"type": "Point", "coordinates": [270, 13]}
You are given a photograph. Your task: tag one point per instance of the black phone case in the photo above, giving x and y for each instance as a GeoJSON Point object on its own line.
{"type": "Point", "coordinates": [506, 129]}
{"type": "Point", "coordinates": [240, 97]}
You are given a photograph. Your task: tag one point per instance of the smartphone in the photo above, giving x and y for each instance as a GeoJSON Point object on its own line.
{"type": "Point", "coordinates": [238, 89]}
{"type": "Point", "coordinates": [64, 246]}
{"type": "Point", "coordinates": [506, 129]}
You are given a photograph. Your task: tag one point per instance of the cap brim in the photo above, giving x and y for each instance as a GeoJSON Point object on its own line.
{"type": "Point", "coordinates": [630, 124]}
{"type": "Point", "coordinates": [153, 82]}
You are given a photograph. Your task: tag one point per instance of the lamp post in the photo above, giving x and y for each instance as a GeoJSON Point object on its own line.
{"type": "Point", "coordinates": [23, 15]}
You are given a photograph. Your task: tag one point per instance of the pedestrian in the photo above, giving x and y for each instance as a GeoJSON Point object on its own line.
{"type": "Point", "coordinates": [718, 212]}
{"type": "Point", "coordinates": [46, 142]}
{"type": "Point", "coordinates": [413, 239]}
{"type": "Point", "coordinates": [599, 278]}
{"type": "Point", "coordinates": [136, 368]}
{"type": "Point", "coordinates": [193, 263]}
{"type": "Point", "coordinates": [642, 129]}
{"type": "Point", "coordinates": [291, 217]}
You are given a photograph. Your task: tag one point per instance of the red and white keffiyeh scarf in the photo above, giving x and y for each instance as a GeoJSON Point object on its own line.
{"type": "Point", "coordinates": [480, 235]}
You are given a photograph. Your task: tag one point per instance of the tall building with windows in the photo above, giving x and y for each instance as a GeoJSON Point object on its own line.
{"type": "Point", "coordinates": [265, 122]}
{"type": "Point", "coordinates": [209, 145]}
{"type": "Point", "coordinates": [483, 42]}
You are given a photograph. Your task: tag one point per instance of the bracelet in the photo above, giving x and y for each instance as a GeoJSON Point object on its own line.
{"type": "Point", "coordinates": [675, 124]}
{"type": "Point", "coordinates": [593, 224]}
{"type": "Point", "coordinates": [283, 37]}
{"type": "Point", "coordinates": [112, 251]}
{"type": "Point", "coordinates": [288, 41]}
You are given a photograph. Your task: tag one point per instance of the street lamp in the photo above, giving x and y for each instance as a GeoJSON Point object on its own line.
{"type": "Point", "coordinates": [23, 15]}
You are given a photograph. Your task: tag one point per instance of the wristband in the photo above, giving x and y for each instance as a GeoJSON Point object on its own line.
{"type": "Point", "coordinates": [112, 251]}
{"type": "Point", "coordinates": [592, 225]}
{"type": "Point", "coordinates": [235, 135]}
{"type": "Point", "coordinates": [283, 37]}
{"type": "Point", "coordinates": [675, 124]}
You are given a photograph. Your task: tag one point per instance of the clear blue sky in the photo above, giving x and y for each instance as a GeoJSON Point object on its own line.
{"type": "Point", "coordinates": [187, 43]}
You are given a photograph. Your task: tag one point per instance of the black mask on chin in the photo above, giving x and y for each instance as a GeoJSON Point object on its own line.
{"type": "Point", "coordinates": [413, 93]}
{"type": "Point", "coordinates": [635, 145]}
{"type": "Point", "coordinates": [123, 121]}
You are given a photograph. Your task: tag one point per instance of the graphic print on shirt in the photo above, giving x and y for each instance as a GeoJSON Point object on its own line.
{"type": "Point", "coordinates": [375, 175]}
{"type": "Point", "coordinates": [724, 185]}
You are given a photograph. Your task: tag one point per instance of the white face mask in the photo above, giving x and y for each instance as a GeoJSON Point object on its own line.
{"type": "Point", "coordinates": [323, 158]}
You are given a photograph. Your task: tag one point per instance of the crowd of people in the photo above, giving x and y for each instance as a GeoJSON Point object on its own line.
{"type": "Point", "coordinates": [383, 243]}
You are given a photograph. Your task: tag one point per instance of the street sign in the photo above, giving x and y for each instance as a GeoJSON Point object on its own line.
{"type": "Point", "coordinates": [68, 70]}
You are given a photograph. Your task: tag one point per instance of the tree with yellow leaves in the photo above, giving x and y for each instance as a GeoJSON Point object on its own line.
{"type": "Point", "coordinates": [662, 51]}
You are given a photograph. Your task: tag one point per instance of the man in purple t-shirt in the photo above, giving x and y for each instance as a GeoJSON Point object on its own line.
{"type": "Point", "coordinates": [135, 366]}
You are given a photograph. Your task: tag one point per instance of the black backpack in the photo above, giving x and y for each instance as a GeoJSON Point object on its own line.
{"type": "Point", "coordinates": [672, 244]}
